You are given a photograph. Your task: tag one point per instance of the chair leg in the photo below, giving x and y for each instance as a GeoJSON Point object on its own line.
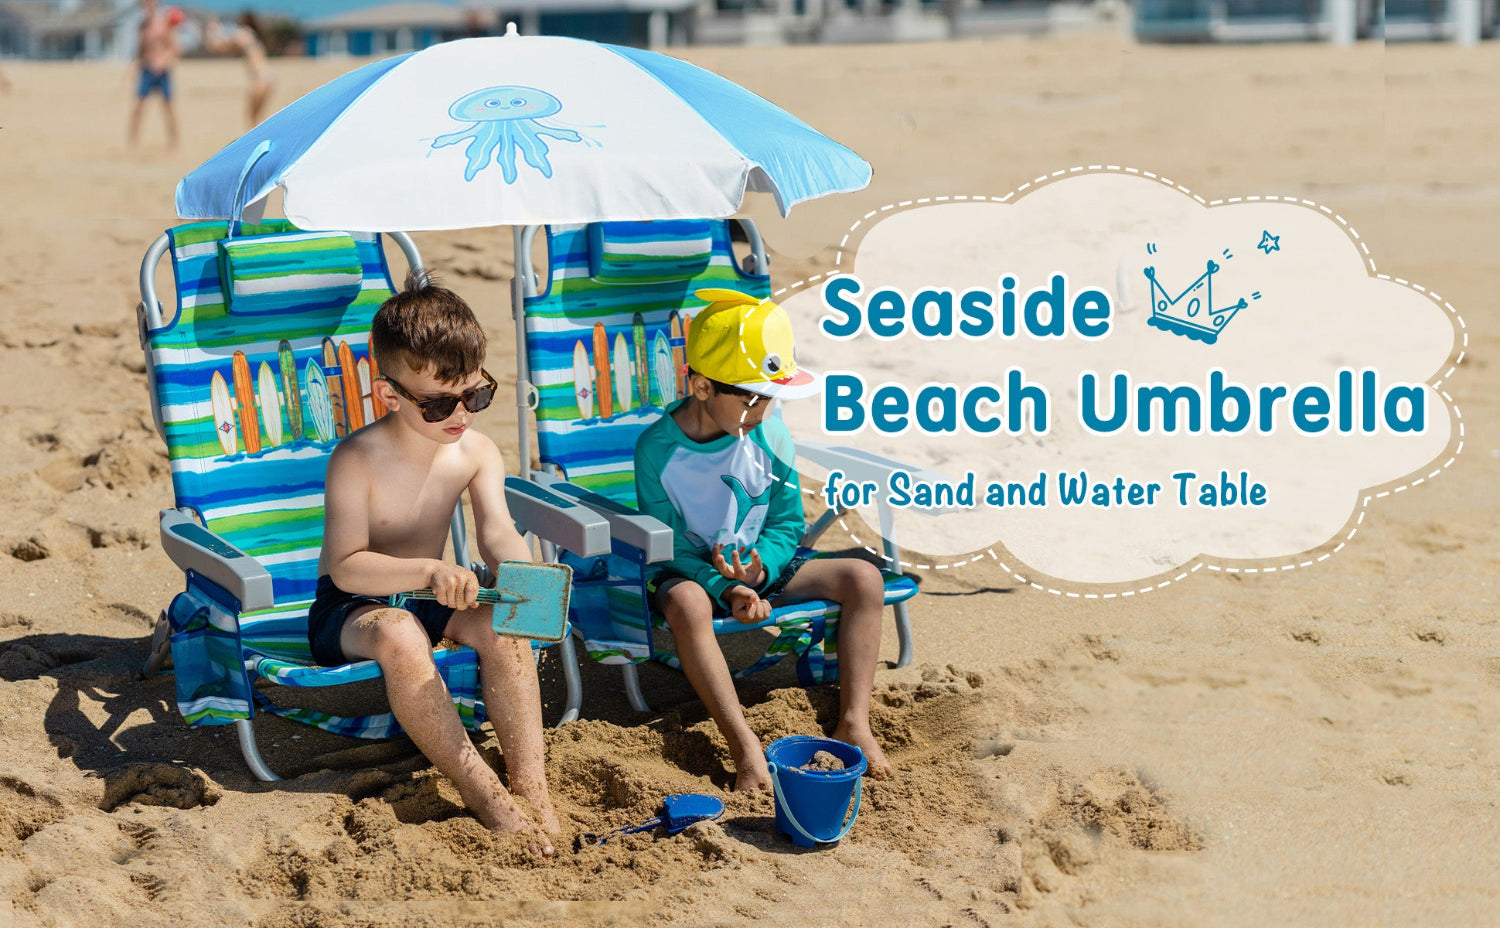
{"type": "Point", "coordinates": [573, 678]}
{"type": "Point", "coordinates": [633, 688]}
{"type": "Point", "coordinates": [252, 753]}
{"type": "Point", "coordinates": [903, 635]}
{"type": "Point", "coordinates": [893, 562]}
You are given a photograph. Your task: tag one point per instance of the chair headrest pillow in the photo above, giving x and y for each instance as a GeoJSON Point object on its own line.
{"type": "Point", "coordinates": [289, 272]}
{"type": "Point", "coordinates": [649, 252]}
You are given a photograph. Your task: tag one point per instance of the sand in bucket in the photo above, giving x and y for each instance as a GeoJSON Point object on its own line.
{"type": "Point", "coordinates": [811, 802]}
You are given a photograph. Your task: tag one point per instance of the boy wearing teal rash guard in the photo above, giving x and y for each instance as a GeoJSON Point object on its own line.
{"type": "Point", "coordinates": [723, 476]}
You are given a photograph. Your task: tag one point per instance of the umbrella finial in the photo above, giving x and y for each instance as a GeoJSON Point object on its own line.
{"type": "Point", "coordinates": [510, 29]}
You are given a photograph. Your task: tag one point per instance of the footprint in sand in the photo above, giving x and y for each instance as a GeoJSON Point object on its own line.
{"type": "Point", "coordinates": [24, 811]}
{"type": "Point", "coordinates": [126, 464]}
{"type": "Point", "coordinates": [28, 658]}
{"type": "Point", "coordinates": [159, 785]}
{"type": "Point", "coordinates": [32, 549]}
{"type": "Point", "coordinates": [118, 536]}
{"type": "Point", "coordinates": [44, 441]}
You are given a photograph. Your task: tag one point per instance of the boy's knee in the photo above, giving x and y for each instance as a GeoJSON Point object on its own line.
{"type": "Point", "coordinates": [395, 635]}
{"type": "Point", "coordinates": [862, 578]}
{"type": "Point", "coordinates": [473, 627]}
{"type": "Point", "coordinates": [687, 607]}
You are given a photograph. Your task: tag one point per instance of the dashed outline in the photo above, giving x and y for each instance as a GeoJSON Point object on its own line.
{"type": "Point", "coordinates": [1196, 563]}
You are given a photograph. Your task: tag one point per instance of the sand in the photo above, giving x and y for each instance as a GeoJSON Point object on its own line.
{"type": "Point", "coordinates": [1314, 747]}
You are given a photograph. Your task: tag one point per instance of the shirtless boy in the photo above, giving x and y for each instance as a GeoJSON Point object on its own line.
{"type": "Point", "coordinates": [390, 493]}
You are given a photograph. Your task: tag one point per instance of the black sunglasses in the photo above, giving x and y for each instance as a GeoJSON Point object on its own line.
{"type": "Point", "coordinates": [439, 408]}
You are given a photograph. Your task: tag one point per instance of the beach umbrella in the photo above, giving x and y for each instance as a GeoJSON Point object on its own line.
{"type": "Point", "coordinates": [515, 130]}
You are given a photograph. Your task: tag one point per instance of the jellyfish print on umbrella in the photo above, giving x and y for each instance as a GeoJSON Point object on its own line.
{"type": "Point", "coordinates": [505, 120]}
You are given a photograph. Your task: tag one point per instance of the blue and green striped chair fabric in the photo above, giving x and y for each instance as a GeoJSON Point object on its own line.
{"type": "Point", "coordinates": [587, 425]}
{"type": "Point", "coordinates": [631, 253]}
{"type": "Point", "coordinates": [252, 405]}
{"type": "Point", "coordinates": [573, 313]}
{"type": "Point", "coordinates": [290, 272]}
{"type": "Point", "coordinates": [566, 325]}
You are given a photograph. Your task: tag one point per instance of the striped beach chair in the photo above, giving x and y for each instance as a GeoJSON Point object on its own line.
{"type": "Point", "coordinates": [261, 370]}
{"type": "Point", "coordinates": [604, 336]}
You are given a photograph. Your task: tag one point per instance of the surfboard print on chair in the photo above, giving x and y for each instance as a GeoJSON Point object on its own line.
{"type": "Point", "coordinates": [223, 406]}
{"type": "Point", "coordinates": [292, 392]}
{"type": "Point", "coordinates": [642, 372]}
{"type": "Point", "coordinates": [270, 403]}
{"type": "Point", "coordinates": [661, 371]}
{"type": "Point", "coordinates": [583, 381]}
{"type": "Point", "coordinates": [621, 368]}
{"type": "Point", "coordinates": [679, 352]}
{"type": "Point", "coordinates": [244, 398]}
{"type": "Point", "coordinates": [354, 413]}
{"type": "Point", "coordinates": [366, 394]}
{"type": "Point", "coordinates": [332, 376]}
{"type": "Point", "coordinates": [320, 409]}
{"type": "Point", "coordinates": [603, 387]}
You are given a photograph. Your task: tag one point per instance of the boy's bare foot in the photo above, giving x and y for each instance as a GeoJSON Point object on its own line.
{"type": "Point", "coordinates": [544, 814]}
{"type": "Point", "coordinates": [751, 773]}
{"type": "Point", "coordinates": [503, 815]}
{"type": "Point", "coordinates": [878, 768]}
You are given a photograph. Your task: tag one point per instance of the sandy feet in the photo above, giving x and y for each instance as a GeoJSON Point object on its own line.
{"type": "Point", "coordinates": [861, 737]}
{"type": "Point", "coordinates": [502, 814]}
{"type": "Point", "coordinates": [542, 811]}
{"type": "Point", "coordinates": [751, 771]}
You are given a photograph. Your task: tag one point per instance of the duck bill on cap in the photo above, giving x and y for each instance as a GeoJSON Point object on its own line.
{"type": "Point", "coordinates": [802, 384]}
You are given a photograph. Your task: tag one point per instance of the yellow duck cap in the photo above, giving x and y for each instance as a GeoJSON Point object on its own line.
{"type": "Point", "coordinates": [741, 340]}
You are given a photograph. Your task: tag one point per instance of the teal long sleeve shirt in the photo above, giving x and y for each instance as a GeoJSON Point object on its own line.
{"type": "Point", "coordinates": [729, 491]}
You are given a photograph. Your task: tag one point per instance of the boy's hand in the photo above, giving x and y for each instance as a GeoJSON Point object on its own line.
{"type": "Point", "coordinates": [751, 573]}
{"type": "Point", "coordinates": [454, 586]}
{"type": "Point", "coordinates": [746, 607]}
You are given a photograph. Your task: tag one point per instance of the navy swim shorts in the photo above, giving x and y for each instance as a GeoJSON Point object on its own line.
{"type": "Point", "coordinates": [160, 81]}
{"type": "Point", "coordinates": [325, 620]}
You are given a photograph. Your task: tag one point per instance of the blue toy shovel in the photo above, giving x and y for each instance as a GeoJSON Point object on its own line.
{"type": "Point", "coordinates": [678, 812]}
{"type": "Point", "coordinates": [531, 600]}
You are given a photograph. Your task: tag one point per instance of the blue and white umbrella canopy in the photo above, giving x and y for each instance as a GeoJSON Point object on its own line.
{"type": "Point", "coordinates": [513, 130]}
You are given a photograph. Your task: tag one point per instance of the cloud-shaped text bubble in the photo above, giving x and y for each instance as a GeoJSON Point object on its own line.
{"type": "Point", "coordinates": [1113, 378]}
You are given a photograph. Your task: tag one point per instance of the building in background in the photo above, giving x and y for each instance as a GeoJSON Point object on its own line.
{"type": "Point", "coordinates": [52, 29]}
{"type": "Point", "coordinates": [1338, 21]}
{"type": "Point", "coordinates": [107, 28]}
{"type": "Point", "coordinates": [403, 27]}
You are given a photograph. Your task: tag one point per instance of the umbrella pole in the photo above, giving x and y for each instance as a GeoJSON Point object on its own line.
{"type": "Point", "coordinates": [518, 287]}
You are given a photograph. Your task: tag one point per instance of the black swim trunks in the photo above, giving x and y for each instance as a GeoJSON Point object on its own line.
{"type": "Point", "coordinates": [331, 606]}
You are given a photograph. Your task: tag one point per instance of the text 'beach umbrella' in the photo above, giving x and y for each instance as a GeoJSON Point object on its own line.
{"type": "Point", "coordinates": [513, 130]}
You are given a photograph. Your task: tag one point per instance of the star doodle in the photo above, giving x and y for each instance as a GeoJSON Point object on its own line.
{"type": "Point", "coordinates": [1269, 242]}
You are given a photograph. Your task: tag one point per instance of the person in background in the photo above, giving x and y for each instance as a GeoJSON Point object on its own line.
{"type": "Point", "coordinates": [248, 41]}
{"type": "Point", "coordinates": [156, 52]}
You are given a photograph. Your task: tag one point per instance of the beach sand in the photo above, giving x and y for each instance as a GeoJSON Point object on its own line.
{"type": "Point", "coordinates": [1313, 747]}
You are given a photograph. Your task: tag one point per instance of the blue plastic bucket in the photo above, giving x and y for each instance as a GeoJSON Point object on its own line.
{"type": "Point", "coordinates": [811, 804]}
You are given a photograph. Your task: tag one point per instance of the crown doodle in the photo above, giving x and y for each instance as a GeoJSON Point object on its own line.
{"type": "Point", "coordinates": [1191, 312]}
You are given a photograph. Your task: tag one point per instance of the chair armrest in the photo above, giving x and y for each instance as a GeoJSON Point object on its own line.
{"type": "Point", "coordinates": [560, 520]}
{"type": "Point", "coordinates": [626, 526]}
{"type": "Point", "coordinates": [193, 547]}
{"type": "Point", "coordinates": [861, 465]}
